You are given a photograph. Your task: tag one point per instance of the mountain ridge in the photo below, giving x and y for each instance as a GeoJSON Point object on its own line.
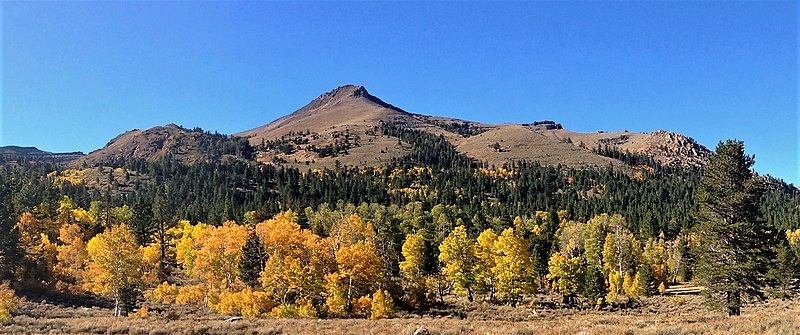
{"type": "Point", "coordinates": [344, 126]}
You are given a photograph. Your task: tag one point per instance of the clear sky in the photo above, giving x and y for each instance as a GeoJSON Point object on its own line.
{"type": "Point", "coordinates": [76, 74]}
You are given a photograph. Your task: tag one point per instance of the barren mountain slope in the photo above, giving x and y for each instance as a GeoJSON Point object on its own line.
{"type": "Point", "coordinates": [344, 125]}
{"type": "Point", "coordinates": [151, 144]}
{"type": "Point", "coordinates": [514, 142]}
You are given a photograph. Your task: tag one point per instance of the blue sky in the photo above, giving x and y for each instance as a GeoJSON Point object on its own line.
{"type": "Point", "coordinates": [76, 74]}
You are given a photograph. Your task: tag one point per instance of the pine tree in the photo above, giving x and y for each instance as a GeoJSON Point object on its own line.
{"type": "Point", "coordinates": [734, 242]}
{"type": "Point", "coordinates": [253, 259]}
{"type": "Point", "coordinates": [8, 237]}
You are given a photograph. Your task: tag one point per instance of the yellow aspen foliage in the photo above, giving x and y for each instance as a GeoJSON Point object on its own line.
{"type": "Point", "coordinates": [565, 274]}
{"type": "Point", "coordinates": [486, 261]}
{"type": "Point", "coordinates": [359, 272]}
{"type": "Point", "coordinates": [306, 309]}
{"type": "Point", "coordinates": [362, 306]}
{"type": "Point", "coordinates": [284, 311]}
{"type": "Point", "coordinates": [352, 229]}
{"type": "Point", "coordinates": [192, 294]}
{"type": "Point", "coordinates": [65, 209]}
{"type": "Point", "coordinates": [282, 236]}
{"type": "Point", "coordinates": [247, 303]}
{"type": "Point", "coordinates": [8, 301]}
{"type": "Point", "coordinates": [115, 262]}
{"type": "Point", "coordinates": [656, 253]}
{"type": "Point", "coordinates": [141, 313]}
{"type": "Point", "coordinates": [216, 259]}
{"type": "Point", "coordinates": [164, 293]}
{"type": "Point", "coordinates": [382, 305]}
{"type": "Point", "coordinates": [287, 279]}
{"type": "Point", "coordinates": [336, 297]}
{"type": "Point", "coordinates": [186, 244]}
{"type": "Point", "coordinates": [412, 270]}
{"type": "Point", "coordinates": [72, 257]}
{"type": "Point", "coordinates": [794, 239]}
{"type": "Point", "coordinates": [662, 288]}
{"type": "Point", "coordinates": [614, 286]}
{"type": "Point", "coordinates": [632, 285]}
{"type": "Point", "coordinates": [83, 216]}
{"type": "Point", "coordinates": [457, 254]}
{"type": "Point", "coordinates": [296, 260]}
{"type": "Point", "coordinates": [39, 254]}
{"type": "Point", "coordinates": [151, 257]}
{"type": "Point", "coordinates": [513, 268]}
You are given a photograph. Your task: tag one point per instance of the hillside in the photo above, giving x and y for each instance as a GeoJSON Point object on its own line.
{"type": "Point", "coordinates": [188, 146]}
{"type": "Point", "coordinates": [344, 125]}
{"type": "Point", "coordinates": [347, 126]}
{"type": "Point", "coordinates": [15, 153]}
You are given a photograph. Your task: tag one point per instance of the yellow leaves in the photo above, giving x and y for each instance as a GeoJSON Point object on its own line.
{"type": "Point", "coordinates": [457, 254]}
{"type": "Point", "coordinates": [247, 303]}
{"type": "Point", "coordinates": [164, 293]}
{"type": "Point", "coordinates": [115, 261]}
{"type": "Point", "coordinates": [186, 244]}
{"type": "Point", "coordinates": [632, 285]}
{"type": "Point", "coordinates": [72, 255]}
{"type": "Point", "coordinates": [83, 216]}
{"type": "Point", "coordinates": [282, 236]}
{"type": "Point", "coordinates": [485, 254]}
{"type": "Point", "coordinates": [565, 273]}
{"type": "Point", "coordinates": [151, 257]}
{"type": "Point", "coordinates": [362, 306]}
{"type": "Point", "coordinates": [412, 270]}
{"type": "Point", "coordinates": [662, 288]}
{"type": "Point", "coordinates": [219, 250]}
{"type": "Point", "coordinates": [614, 286]}
{"type": "Point", "coordinates": [141, 313]}
{"type": "Point", "coordinates": [194, 294]}
{"type": "Point", "coordinates": [513, 268]}
{"type": "Point", "coordinates": [382, 305]}
{"type": "Point", "coordinates": [414, 255]}
{"type": "Point", "coordinates": [498, 173]}
{"type": "Point", "coordinates": [361, 263]}
{"type": "Point", "coordinates": [793, 237]}
{"type": "Point", "coordinates": [336, 300]}
{"type": "Point", "coordinates": [8, 301]}
{"type": "Point", "coordinates": [71, 176]}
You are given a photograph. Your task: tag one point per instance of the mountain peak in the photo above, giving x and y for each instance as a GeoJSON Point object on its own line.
{"type": "Point", "coordinates": [340, 93]}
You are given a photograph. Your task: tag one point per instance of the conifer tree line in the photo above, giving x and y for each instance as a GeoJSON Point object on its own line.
{"type": "Point", "coordinates": [264, 241]}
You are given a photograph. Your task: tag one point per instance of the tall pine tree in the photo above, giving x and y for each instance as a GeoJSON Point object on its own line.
{"type": "Point", "coordinates": [8, 237]}
{"type": "Point", "coordinates": [734, 243]}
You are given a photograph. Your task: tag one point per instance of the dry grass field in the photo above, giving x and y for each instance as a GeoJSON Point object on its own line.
{"type": "Point", "coordinates": [657, 315]}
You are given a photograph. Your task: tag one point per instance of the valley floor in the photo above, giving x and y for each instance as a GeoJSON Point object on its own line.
{"type": "Point", "coordinates": [656, 315]}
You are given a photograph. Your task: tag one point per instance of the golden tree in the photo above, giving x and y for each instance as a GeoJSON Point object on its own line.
{"type": "Point", "coordinates": [457, 253]}
{"type": "Point", "coordinates": [513, 267]}
{"type": "Point", "coordinates": [216, 259]}
{"type": "Point", "coordinates": [412, 270]}
{"type": "Point", "coordinates": [115, 263]}
{"type": "Point", "coordinates": [486, 260]}
{"type": "Point", "coordinates": [566, 275]}
{"type": "Point", "coordinates": [72, 256]}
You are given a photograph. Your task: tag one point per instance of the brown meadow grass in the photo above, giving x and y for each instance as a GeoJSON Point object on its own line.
{"type": "Point", "coordinates": [657, 316]}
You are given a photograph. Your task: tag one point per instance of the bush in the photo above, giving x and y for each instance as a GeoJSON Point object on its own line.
{"type": "Point", "coordinates": [247, 303]}
{"type": "Point", "coordinates": [382, 305]}
{"type": "Point", "coordinates": [8, 301]}
{"type": "Point", "coordinates": [194, 294]}
{"type": "Point", "coordinates": [164, 293]}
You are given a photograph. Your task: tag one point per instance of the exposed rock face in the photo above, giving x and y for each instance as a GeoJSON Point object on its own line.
{"type": "Point", "coordinates": [675, 148]}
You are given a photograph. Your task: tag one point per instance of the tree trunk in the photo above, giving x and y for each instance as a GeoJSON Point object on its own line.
{"type": "Point", "coordinates": [734, 302]}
